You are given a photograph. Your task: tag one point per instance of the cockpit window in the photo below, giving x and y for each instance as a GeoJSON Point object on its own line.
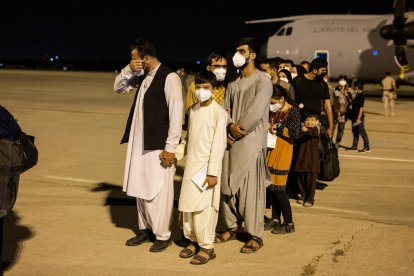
{"type": "Point", "coordinates": [281, 32]}
{"type": "Point", "coordinates": [289, 31]}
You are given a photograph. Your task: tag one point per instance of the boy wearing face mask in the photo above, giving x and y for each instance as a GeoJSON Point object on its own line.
{"type": "Point", "coordinates": [216, 63]}
{"type": "Point", "coordinates": [207, 141]}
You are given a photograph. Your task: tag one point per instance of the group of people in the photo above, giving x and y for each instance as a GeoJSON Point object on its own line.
{"type": "Point", "coordinates": [246, 138]}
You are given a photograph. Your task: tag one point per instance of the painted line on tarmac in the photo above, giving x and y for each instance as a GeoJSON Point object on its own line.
{"type": "Point", "coordinates": [378, 158]}
{"type": "Point", "coordinates": [82, 180]}
{"type": "Point", "coordinates": [340, 210]}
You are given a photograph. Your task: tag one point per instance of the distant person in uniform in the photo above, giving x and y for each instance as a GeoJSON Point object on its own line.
{"type": "Point", "coordinates": [244, 164]}
{"type": "Point", "coordinates": [389, 94]}
{"type": "Point", "coordinates": [207, 141]}
{"type": "Point", "coordinates": [153, 131]}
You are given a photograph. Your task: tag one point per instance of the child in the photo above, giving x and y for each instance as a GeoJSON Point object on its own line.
{"type": "Point", "coordinates": [284, 119]}
{"type": "Point", "coordinates": [307, 163]}
{"type": "Point", "coordinates": [358, 119]}
{"type": "Point", "coordinates": [207, 141]}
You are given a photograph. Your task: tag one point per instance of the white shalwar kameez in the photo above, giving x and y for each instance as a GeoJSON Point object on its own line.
{"type": "Point", "coordinates": [207, 142]}
{"type": "Point", "coordinates": [145, 178]}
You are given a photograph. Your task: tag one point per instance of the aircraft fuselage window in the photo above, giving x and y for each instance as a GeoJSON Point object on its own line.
{"type": "Point", "coordinates": [289, 31]}
{"type": "Point", "coordinates": [281, 32]}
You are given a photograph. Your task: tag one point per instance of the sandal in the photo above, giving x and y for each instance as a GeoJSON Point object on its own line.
{"type": "Point", "coordinates": [252, 245]}
{"type": "Point", "coordinates": [188, 252]}
{"type": "Point", "coordinates": [231, 234]}
{"type": "Point", "coordinates": [200, 259]}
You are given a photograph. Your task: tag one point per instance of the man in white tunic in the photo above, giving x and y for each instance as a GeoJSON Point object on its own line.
{"type": "Point", "coordinates": [206, 145]}
{"type": "Point", "coordinates": [153, 132]}
{"type": "Point", "coordinates": [244, 164]}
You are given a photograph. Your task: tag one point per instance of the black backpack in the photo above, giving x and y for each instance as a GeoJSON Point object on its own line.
{"type": "Point", "coordinates": [17, 154]}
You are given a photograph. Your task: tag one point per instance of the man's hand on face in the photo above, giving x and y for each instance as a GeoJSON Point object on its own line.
{"type": "Point", "coordinates": [136, 65]}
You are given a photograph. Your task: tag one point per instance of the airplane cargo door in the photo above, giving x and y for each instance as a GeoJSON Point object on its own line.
{"type": "Point", "coordinates": [323, 54]}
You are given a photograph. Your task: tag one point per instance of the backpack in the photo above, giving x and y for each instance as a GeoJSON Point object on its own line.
{"type": "Point", "coordinates": [17, 154]}
{"type": "Point", "coordinates": [11, 156]}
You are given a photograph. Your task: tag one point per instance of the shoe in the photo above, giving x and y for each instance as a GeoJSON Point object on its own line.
{"type": "Point", "coordinates": [308, 204]}
{"type": "Point", "coordinates": [364, 150]}
{"type": "Point", "coordinates": [271, 224]}
{"type": "Point", "coordinates": [200, 259]}
{"type": "Point", "coordinates": [142, 237]}
{"type": "Point", "coordinates": [284, 229]}
{"type": "Point", "coordinates": [351, 149]}
{"type": "Point", "coordinates": [159, 246]}
{"type": "Point", "coordinates": [300, 201]}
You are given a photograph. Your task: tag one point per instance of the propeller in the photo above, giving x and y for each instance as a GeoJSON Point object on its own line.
{"type": "Point", "coordinates": [399, 32]}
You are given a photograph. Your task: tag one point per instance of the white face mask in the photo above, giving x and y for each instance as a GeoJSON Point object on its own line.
{"type": "Point", "coordinates": [294, 75]}
{"type": "Point", "coordinates": [203, 94]}
{"type": "Point", "coordinates": [275, 107]}
{"type": "Point", "coordinates": [267, 74]}
{"type": "Point", "coordinates": [284, 79]}
{"type": "Point", "coordinates": [239, 60]}
{"type": "Point", "coordinates": [220, 73]}
{"type": "Point", "coordinates": [342, 82]}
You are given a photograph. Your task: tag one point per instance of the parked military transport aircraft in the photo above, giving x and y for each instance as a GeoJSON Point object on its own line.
{"type": "Point", "coordinates": [362, 45]}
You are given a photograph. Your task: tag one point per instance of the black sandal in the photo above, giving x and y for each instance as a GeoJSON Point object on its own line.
{"type": "Point", "coordinates": [199, 259]}
{"type": "Point", "coordinates": [249, 248]}
{"type": "Point", "coordinates": [232, 232]}
{"type": "Point", "coordinates": [187, 252]}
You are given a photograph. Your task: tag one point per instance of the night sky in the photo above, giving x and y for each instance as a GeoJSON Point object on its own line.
{"type": "Point", "coordinates": [79, 30]}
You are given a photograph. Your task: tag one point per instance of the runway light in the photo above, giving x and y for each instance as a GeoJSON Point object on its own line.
{"type": "Point", "coordinates": [65, 68]}
{"type": "Point", "coordinates": [1, 64]}
{"type": "Point", "coordinates": [56, 57]}
{"type": "Point", "coordinates": [198, 62]}
{"type": "Point", "coordinates": [375, 52]}
{"type": "Point", "coordinates": [51, 59]}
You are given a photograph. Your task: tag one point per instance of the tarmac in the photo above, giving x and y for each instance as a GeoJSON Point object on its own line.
{"type": "Point", "coordinates": [72, 218]}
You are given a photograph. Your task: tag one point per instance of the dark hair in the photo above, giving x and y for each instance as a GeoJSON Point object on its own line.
{"type": "Point", "coordinates": [205, 76]}
{"type": "Point", "coordinates": [318, 63]}
{"type": "Point", "coordinates": [289, 61]}
{"type": "Point", "coordinates": [301, 70]}
{"type": "Point", "coordinates": [311, 114]}
{"type": "Point", "coordinates": [271, 61]}
{"type": "Point", "coordinates": [249, 41]}
{"type": "Point", "coordinates": [279, 91]}
{"type": "Point", "coordinates": [216, 55]}
{"type": "Point", "coordinates": [144, 47]}
{"type": "Point", "coordinates": [388, 73]}
{"type": "Point", "coordinates": [343, 77]}
{"type": "Point", "coordinates": [359, 84]}
{"type": "Point", "coordinates": [304, 62]}
{"type": "Point", "coordinates": [287, 73]}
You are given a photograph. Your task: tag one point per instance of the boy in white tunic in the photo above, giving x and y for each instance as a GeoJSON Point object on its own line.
{"type": "Point", "coordinates": [207, 142]}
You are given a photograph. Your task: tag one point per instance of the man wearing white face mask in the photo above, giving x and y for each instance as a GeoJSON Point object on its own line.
{"type": "Point", "coordinates": [216, 63]}
{"type": "Point", "coordinates": [206, 145]}
{"type": "Point", "coordinates": [244, 164]}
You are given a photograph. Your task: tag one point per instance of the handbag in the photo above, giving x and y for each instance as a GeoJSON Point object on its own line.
{"type": "Point", "coordinates": [329, 162]}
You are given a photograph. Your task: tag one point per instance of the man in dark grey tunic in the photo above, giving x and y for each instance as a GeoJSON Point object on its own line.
{"type": "Point", "coordinates": [244, 165]}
